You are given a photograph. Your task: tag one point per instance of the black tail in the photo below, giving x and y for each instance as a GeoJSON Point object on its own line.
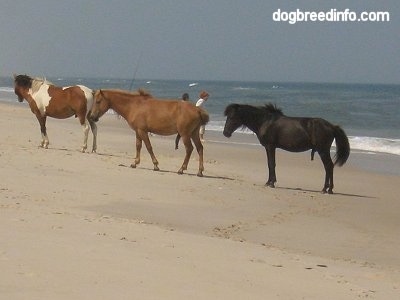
{"type": "Point", "coordinates": [342, 146]}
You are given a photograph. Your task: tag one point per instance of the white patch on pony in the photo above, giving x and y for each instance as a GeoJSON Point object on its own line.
{"type": "Point", "coordinates": [88, 95]}
{"type": "Point", "coordinates": [41, 97]}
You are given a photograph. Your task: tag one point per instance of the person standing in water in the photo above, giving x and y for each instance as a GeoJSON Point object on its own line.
{"type": "Point", "coordinates": [203, 97]}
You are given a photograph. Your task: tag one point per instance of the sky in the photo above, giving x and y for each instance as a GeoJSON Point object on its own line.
{"type": "Point", "coordinates": [198, 40]}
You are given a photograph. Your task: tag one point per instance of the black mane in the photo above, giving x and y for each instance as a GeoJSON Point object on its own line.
{"type": "Point", "coordinates": [273, 109]}
{"type": "Point", "coordinates": [246, 109]}
{"type": "Point", "coordinates": [23, 81]}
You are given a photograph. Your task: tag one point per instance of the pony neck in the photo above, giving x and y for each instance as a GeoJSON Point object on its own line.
{"type": "Point", "coordinates": [257, 119]}
{"type": "Point", "coordinates": [118, 101]}
{"type": "Point", "coordinates": [37, 83]}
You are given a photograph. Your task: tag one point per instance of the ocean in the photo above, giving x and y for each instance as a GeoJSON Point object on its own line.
{"type": "Point", "coordinates": [369, 113]}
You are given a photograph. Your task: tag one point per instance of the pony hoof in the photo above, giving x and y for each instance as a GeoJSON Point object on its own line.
{"type": "Point", "coordinates": [326, 192]}
{"type": "Point", "coordinates": [156, 168]}
{"type": "Point", "coordinates": [270, 184]}
{"type": "Point", "coordinates": [199, 174]}
{"type": "Point", "coordinates": [133, 166]}
{"type": "Point", "coordinates": [180, 172]}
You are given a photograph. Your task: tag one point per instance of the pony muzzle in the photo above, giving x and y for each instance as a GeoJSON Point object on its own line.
{"type": "Point", "coordinates": [227, 134]}
{"type": "Point", "coordinates": [94, 118]}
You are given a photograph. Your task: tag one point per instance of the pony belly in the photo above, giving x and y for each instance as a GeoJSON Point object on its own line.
{"type": "Point", "coordinates": [163, 131]}
{"type": "Point", "coordinates": [157, 129]}
{"type": "Point", "coordinates": [295, 148]}
{"type": "Point", "coordinates": [59, 113]}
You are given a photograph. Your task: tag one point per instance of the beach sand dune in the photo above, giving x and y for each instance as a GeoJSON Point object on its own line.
{"type": "Point", "coordinates": [87, 226]}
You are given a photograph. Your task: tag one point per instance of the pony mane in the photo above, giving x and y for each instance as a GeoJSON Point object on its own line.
{"type": "Point", "coordinates": [23, 81]}
{"type": "Point", "coordinates": [272, 109]}
{"type": "Point", "coordinates": [43, 80]}
{"type": "Point", "coordinates": [142, 92]}
{"type": "Point", "coordinates": [268, 108]}
{"type": "Point", "coordinates": [139, 92]}
{"type": "Point", "coordinates": [38, 82]}
{"type": "Point", "coordinates": [29, 82]}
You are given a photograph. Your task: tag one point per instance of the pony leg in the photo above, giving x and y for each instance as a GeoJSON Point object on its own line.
{"type": "Point", "coordinates": [149, 148]}
{"type": "Point", "coordinates": [199, 148]}
{"type": "Point", "coordinates": [45, 139]}
{"type": "Point", "coordinates": [138, 149]}
{"type": "Point", "coordinates": [271, 166]}
{"type": "Point", "coordinates": [178, 137]}
{"type": "Point", "coordinates": [328, 165]}
{"type": "Point", "coordinates": [93, 127]}
{"type": "Point", "coordinates": [312, 154]}
{"type": "Point", "coordinates": [85, 128]}
{"type": "Point", "coordinates": [189, 149]}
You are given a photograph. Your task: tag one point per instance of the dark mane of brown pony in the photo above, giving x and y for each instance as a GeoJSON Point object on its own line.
{"type": "Point", "coordinates": [139, 92]}
{"type": "Point", "coordinates": [24, 81]}
{"type": "Point", "coordinates": [144, 93]}
{"type": "Point", "coordinates": [28, 82]}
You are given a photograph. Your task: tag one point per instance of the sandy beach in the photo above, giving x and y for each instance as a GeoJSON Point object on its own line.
{"type": "Point", "coordinates": [87, 226]}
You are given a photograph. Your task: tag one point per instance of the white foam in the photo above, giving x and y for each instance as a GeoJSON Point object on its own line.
{"type": "Point", "coordinates": [375, 144]}
{"type": "Point", "coordinates": [6, 89]}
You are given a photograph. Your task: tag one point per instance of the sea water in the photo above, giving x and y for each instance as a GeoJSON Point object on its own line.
{"type": "Point", "coordinates": [369, 113]}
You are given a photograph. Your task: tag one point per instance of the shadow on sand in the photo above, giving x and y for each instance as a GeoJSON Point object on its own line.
{"type": "Point", "coordinates": [319, 192]}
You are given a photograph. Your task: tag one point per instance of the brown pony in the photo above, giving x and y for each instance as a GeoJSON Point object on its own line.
{"type": "Point", "coordinates": [146, 114]}
{"type": "Point", "coordinates": [46, 99]}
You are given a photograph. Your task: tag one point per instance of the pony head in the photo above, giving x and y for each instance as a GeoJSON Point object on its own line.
{"type": "Point", "coordinates": [100, 105]}
{"type": "Point", "coordinates": [233, 119]}
{"type": "Point", "coordinates": [22, 83]}
{"type": "Point", "coordinates": [248, 116]}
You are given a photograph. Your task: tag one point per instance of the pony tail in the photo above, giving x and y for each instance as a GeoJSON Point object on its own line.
{"type": "Point", "coordinates": [342, 146]}
{"type": "Point", "coordinates": [204, 116]}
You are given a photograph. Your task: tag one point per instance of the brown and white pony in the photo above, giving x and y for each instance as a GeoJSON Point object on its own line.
{"type": "Point", "coordinates": [146, 114]}
{"type": "Point", "coordinates": [47, 100]}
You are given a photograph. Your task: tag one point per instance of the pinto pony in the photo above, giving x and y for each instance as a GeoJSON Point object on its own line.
{"type": "Point", "coordinates": [48, 100]}
{"type": "Point", "coordinates": [146, 114]}
{"type": "Point", "coordinates": [275, 130]}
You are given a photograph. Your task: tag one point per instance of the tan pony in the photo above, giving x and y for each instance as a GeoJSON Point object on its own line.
{"type": "Point", "coordinates": [146, 114]}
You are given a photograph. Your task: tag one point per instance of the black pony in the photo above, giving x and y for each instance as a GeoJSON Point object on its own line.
{"type": "Point", "coordinates": [275, 130]}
